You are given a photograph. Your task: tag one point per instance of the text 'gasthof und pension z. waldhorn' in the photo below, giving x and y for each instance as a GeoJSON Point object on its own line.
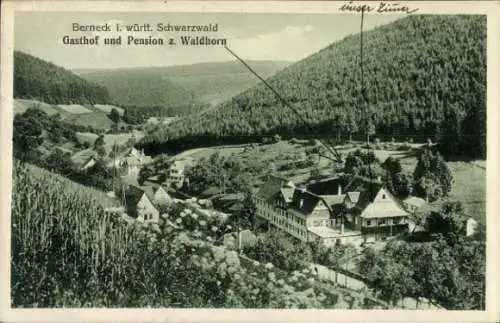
{"type": "Point", "coordinates": [135, 34]}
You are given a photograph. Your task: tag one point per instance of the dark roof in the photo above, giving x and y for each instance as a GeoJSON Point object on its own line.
{"type": "Point", "coordinates": [327, 186]}
{"type": "Point", "coordinates": [305, 201]}
{"type": "Point", "coordinates": [150, 191]}
{"type": "Point", "coordinates": [273, 186]}
{"type": "Point", "coordinates": [367, 189]}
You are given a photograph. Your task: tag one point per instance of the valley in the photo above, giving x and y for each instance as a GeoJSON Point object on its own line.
{"type": "Point", "coordinates": [139, 182]}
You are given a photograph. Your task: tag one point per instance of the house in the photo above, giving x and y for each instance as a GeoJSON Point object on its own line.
{"type": "Point", "coordinates": [84, 159]}
{"type": "Point", "coordinates": [139, 205]}
{"type": "Point", "coordinates": [302, 214]}
{"type": "Point", "coordinates": [91, 161]}
{"type": "Point", "coordinates": [177, 170]}
{"type": "Point", "coordinates": [133, 160]}
{"type": "Point", "coordinates": [370, 207]}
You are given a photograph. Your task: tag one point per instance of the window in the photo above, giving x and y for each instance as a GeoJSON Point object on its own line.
{"type": "Point", "coordinates": [368, 222]}
{"type": "Point", "coordinates": [381, 221]}
{"type": "Point", "coordinates": [383, 196]}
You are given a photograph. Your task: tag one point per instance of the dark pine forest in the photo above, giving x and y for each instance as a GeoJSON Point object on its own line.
{"type": "Point", "coordinates": [424, 76]}
{"type": "Point", "coordinates": [41, 80]}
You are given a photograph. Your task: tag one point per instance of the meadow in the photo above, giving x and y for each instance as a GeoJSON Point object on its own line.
{"type": "Point", "coordinates": [120, 139]}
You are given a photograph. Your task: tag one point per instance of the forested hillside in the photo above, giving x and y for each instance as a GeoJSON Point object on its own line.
{"type": "Point", "coordinates": [41, 80]}
{"type": "Point", "coordinates": [207, 83]}
{"type": "Point", "coordinates": [425, 77]}
{"type": "Point", "coordinates": [137, 88]}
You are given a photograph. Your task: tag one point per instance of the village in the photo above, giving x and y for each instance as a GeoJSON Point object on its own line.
{"type": "Point", "coordinates": [329, 211]}
{"type": "Point", "coordinates": [319, 181]}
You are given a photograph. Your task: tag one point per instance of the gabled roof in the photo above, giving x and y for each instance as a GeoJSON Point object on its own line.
{"type": "Point", "coordinates": [150, 192]}
{"type": "Point", "coordinates": [305, 202]}
{"type": "Point", "coordinates": [287, 193]}
{"type": "Point", "coordinates": [83, 157]}
{"type": "Point", "coordinates": [389, 207]}
{"type": "Point", "coordinates": [367, 189]}
{"type": "Point", "coordinates": [273, 186]}
{"type": "Point", "coordinates": [333, 199]}
{"type": "Point", "coordinates": [385, 210]}
{"type": "Point", "coordinates": [353, 196]}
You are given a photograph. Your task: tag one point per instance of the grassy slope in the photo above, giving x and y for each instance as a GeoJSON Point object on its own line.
{"type": "Point", "coordinates": [21, 105]}
{"type": "Point", "coordinates": [97, 118]}
{"type": "Point", "coordinates": [109, 139]}
{"type": "Point", "coordinates": [470, 188]}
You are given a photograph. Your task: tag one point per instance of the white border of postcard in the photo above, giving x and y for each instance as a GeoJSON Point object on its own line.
{"type": "Point", "coordinates": [490, 8]}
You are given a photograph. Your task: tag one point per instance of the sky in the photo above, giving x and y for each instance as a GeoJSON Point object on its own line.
{"type": "Point", "coordinates": [252, 36]}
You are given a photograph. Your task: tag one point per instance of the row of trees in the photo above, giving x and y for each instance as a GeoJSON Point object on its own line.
{"type": "Point", "coordinates": [228, 174]}
{"type": "Point", "coordinates": [431, 179]}
{"type": "Point", "coordinates": [431, 86]}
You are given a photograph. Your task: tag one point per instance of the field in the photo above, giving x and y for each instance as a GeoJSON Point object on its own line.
{"type": "Point", "coordinates": [107, 108]}
{"type": "Point", "coordinates": [21, 105]}
{"type": "Point", "coordinates": [470, 188]}
{"type": "Point", "coordinates": [109, 139]}
{"type": "Point", "coordinates": [87, 115]}
{"type": "Point", "coordinates": [74, 108]}
{"type": "Point", "coordinates": [97, 120]}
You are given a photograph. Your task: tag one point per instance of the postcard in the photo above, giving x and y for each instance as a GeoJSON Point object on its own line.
{"type": "Point", "coordinates": [249, 161]}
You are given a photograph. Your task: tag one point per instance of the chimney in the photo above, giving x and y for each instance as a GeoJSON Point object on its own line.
{"type": "Point", "coordinates": [379, 179]}
{"type": "Point", "coordinates": [339, 190]}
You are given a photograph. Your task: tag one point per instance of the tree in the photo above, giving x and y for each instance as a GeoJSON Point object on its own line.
{"type": "Point", "coordinates": [280, 250]}
{"type": "Point", "coordinates": [351, 126]}
{"type": "Point", "coordinates": [114, 115]}
{"type": "Point", "coordinates": [27, 137]}
{"type": "Point", "coordinates": [432, 178]}
{"type": "Point", "coordinates": [247, 214]}
{"type": "Point", "coordinates": [449, 220]}
{"type": "Point", "coordinates": [370, 130]}
{"type": "Point", "coordinates": [397, 182]}
{"type": "Point", "coordinates": [145, 173]}
{"type": "Point", "coordinates": [99, 142]}
{"type": "Point", "coordinates": [59, 162]}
